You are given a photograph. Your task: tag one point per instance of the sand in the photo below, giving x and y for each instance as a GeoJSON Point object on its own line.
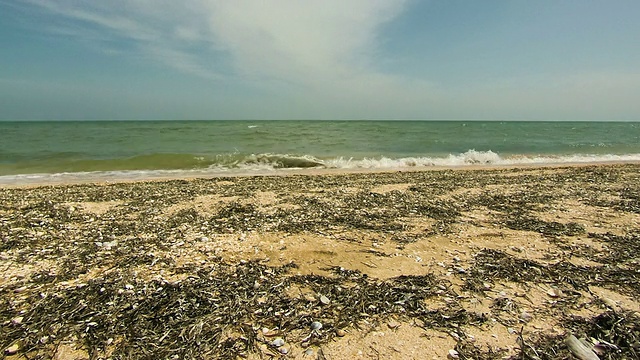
{"type": "Point", "coordinates": [481, 263]}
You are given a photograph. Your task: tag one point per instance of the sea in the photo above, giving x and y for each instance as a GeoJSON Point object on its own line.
{"type": "Point", "coordinates": [69, 151]}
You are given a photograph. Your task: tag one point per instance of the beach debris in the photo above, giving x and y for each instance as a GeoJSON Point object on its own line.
{"type": "Point", "coordinates": [182, 303]}
{"type": "Point", "coordinates": [581, 350]}
{"type": "Point", "coordinates": [612, 304]}
{"type": "Point", "coordinates": [316, 325]}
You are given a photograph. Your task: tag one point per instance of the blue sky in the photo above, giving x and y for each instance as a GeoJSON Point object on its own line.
{"type": "Point", "coordinates": [320, 59]}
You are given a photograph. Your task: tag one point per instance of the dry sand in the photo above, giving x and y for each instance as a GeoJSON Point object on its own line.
{"type": "Point", "coordinates": [492, 263]}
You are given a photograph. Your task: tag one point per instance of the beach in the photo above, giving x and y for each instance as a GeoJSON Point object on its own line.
{"type": "Point", "coordinates": [482, 263]}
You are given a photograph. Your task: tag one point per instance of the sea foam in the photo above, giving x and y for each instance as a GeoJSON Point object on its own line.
{"type": "Point", "coordinates": [265, 164]}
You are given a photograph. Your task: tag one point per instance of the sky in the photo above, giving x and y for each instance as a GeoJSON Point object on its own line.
{"type": "Point", "coordinates": [320, 59]}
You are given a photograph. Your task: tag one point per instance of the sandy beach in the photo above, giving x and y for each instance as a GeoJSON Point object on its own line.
{"type": "Point", "coordinates": [503, 263]}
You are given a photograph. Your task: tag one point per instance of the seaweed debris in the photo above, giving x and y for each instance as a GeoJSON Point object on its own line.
{"type": "Point", "coordinates": [219, 312]}
{"type": "Point", "coordinates": [142, 278]}
{"type": "Point", "coordinates": [611, 335]}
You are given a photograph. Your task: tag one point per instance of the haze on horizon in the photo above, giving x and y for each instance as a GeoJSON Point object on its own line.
{"type": "Point", "coordinates": [320, 59]}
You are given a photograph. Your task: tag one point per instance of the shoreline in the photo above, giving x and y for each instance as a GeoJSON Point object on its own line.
{"type": "Point", "coordinates": [488, 262]}
{"type": "Point", "coordinates": [101, 178]}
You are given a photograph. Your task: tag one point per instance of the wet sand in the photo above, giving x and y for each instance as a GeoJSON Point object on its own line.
{"type": "Point", "coordinates": [476, 263]}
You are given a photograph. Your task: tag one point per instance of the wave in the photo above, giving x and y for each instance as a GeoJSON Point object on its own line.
{"type": "Point", "coordinates": [473, 157]}
{"type": "Point", "coordinates": [185, 165]}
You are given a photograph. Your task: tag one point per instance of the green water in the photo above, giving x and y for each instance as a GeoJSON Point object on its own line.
{"type": "Point", "coordinates": [219, 146]}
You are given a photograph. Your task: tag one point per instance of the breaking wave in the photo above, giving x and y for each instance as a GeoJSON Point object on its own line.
{"type": "Point", "coordinates": [183, 165]}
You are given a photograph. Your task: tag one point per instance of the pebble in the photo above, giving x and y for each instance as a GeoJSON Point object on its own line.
{"type": "Point", "coordinates": [324, 300]}
{"type": "Point", "coordinates": [526, 317]}
{"type": "Point", "coordinates": [453, 354]}
{"type": "Point", "coordinates": [278, 342]}
{"type": "Point", "coordinates": [316, 325]}
{"type": "Point", "coordinates": [555, 293]}
{"type": "Point", "coordinates": [17, 320]}
{"type": "Point", "coordinates": [340, 333]}
{"type": "Point", "coordinates": [308, 352]}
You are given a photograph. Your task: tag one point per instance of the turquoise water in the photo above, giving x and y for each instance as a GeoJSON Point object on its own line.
{"type": "Point", "coordinates": [41, 150]}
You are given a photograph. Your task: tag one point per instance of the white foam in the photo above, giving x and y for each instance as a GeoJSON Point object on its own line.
{"type": "Point", "coordinates": [271, 163]}
{"type": "Point", "coordinates": [473, 157]}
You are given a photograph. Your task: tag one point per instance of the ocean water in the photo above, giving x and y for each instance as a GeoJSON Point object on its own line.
{"type": "Point", "coordinates": [66, 150]}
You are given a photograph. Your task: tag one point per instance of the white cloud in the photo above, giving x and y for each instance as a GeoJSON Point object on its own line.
{"type": "Point", "coordinates": [304, 42]}
{"type": "Point", "coordinates": [321, 53]}
{"type": "Point", "coordinates": [318, 59]}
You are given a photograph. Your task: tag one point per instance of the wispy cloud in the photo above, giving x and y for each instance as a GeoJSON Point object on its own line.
{"type": "Point", "coordinates": [324, 58]}
{"type": "Point", "coordinates": [159, 30]}
{"type": "Point", "coordinates": [321, 47]}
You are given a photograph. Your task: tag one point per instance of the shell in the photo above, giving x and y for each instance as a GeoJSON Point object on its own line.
{"type": "Point", "coordinates": [324, 300]}
{"type": "Point", "coordinates": [579, 349]}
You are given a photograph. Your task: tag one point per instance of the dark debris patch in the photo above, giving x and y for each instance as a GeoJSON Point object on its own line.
{"type": "Point", "coordinates": [619, 249]}
{"type": "Point", "coordinates": [617, 335]}
{"type": "Point", "coordinates": [547, 228]}
{"type": "Point", "coordinates": [490, 265]}
{"type": "Point", "coordinates": [216, 312]}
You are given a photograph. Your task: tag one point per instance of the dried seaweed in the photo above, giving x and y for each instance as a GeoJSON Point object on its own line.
{"type": "Point", "coordinates": [220, 312]}
{"type": "Point", "coordinates": [101, 294]}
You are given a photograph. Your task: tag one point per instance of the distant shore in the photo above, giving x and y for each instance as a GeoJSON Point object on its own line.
{"type": "Point", "coordinates": [479, 261]}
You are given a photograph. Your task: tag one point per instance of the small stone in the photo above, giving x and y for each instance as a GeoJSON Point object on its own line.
{"type": "Point", "coordinates": [278, 342]}
{"type": "Point", "coordinates": [340, 333]}
{"type": "Point", "coordinates": [555, 293]}
{"type": "Point", "coordinates": [316, 325]}
{"type": "Point", "coordinates": [471, 338]}
{"type": "Point", "coordinates": [324, 300]}
{"type": "Point", "coordinates": [526, 317]}
{"type": "Point", "coordinates": [284, 350]}
{"type": "Point", "coordinates": [453, 354]}
{"type": "Point", "coordinates": [17, 320]}
{"type": "Point", "coordinates": [308, 352]}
